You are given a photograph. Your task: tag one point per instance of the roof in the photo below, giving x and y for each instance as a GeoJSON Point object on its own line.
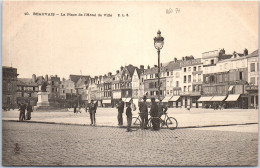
{"type": "Point", "coordinates": [131, 69]}
{"type": "Point", "coordinates": [254, 54]}
{"type": "Point", "coordinates": [75, 78]}
{"type": "Point", "coordinates": [172, 66]}
{"type": "Point", "coordinates": [225, 56]}
{"type": "Point", "coordinates": [26, 81]}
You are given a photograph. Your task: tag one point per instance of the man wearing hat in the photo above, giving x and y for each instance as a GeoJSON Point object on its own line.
{"type": "Point", "coordinates": [144, 113]}
{"type": "Point", "coordinates": [120, 107]}
{"type": "Point", "coordinates": [92, 111]}
{"type": "Point", "coordinates": [155, 113]}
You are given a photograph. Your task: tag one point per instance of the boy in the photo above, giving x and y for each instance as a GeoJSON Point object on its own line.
{"type": "Point", "coordinates": [129, 117]}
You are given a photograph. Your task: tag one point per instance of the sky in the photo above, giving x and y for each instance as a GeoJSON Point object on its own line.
{"type": "Point", "coordinates": [64, 45]}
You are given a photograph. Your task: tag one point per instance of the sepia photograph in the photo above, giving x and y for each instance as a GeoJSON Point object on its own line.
{"type": "Point", "coordinates": [128, 83]}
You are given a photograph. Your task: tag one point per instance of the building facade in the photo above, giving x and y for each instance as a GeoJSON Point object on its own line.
{"type": "Point", "coordinates": [9, 87]}
{"type": "Point", "coordinates": [192, 71]}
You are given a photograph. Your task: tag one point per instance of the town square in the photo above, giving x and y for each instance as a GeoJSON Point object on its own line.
{"type": "Point", "coordinates": [130, 83]}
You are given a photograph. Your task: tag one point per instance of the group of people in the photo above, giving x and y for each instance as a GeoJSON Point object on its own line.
{"type": "Point", "coordinates": [156, 111]}
{"type": "Point", "coordinates": [216, 106]}
{"type": "Point", "coordinates": [25, 107]}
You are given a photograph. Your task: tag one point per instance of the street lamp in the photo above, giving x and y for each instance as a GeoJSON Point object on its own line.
{"type": "Point", "coordinates": [158, 44]}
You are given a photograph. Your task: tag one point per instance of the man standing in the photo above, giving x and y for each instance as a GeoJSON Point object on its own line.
{"type": "Point", "coordinates": [162, 108]}
{"type": "Point", "coordinates": [144, 113]}
{"type": "Point", "coordinates": [155, 113]}
{"type": "Point", "coordinates": [120, 108]}
{"type": "Point", "coordinates": [92, 111]}
{"type": "Point", "coordinates": [22, 111]}
{"type": "Point", "coordinates": [29, 111]}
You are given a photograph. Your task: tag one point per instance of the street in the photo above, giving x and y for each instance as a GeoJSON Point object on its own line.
{"type": "Point", "coordinates": [39, 144]}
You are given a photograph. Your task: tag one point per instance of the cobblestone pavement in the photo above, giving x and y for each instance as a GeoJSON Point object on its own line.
{"type": "Point", "coordinates": [186, 118]}
{"type": "Point", "coordinates": [73, 145]}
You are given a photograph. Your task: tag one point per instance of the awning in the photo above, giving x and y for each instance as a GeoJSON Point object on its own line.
{"type": "Point", "coordinates": [230, 88]}
{"type": "Point", "coordinates": [166, 99]}
{"type": "Point", "coordinates": [218, 98]}
{"type": "Point", "coordinates": [128, 99]}
{"type": "Point", "coordinates": [232, 97]}
{"type": "Point", "coordinates": [149, 100]}
{"type": "Point", "coordinates": [206, 98]}
{"type": "Point", "coordinates": [174, 98]}
{"type": "Point", "coordinates": [106, 101]}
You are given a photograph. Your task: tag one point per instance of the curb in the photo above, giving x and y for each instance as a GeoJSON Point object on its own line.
{"type": "Point", "coordinates": [43, 122]}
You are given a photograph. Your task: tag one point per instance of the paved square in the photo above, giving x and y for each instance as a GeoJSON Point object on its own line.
{"type": "Point", "coordinates": [70, 145]}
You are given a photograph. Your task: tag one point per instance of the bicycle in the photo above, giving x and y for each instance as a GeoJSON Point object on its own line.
{"type": "Point", "coordinates": [137, 121]}
{"type": "Point", "coordinates": [170, 122]}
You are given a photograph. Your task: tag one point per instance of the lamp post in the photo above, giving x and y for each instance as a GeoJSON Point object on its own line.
{"type": "Point", "coordinates": [158, 44]}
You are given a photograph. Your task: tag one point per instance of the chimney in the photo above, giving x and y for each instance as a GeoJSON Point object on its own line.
{"type": "Point", "coordinates": [175, 59]}
{"type": "Point", "coordinates": [46, 78]}
{"type": "Point", "coordinates": [117, 71]}
{"type": "Point", "coordinates": [56, 76]}
{"type": "Point", "coordinates": [148, 67]}
{"type": "Point", "coordinates": [245, 52]}
{"type": "Point", "coordinates": [33, 78]}
{"type": "Point", "coordinates": [121, 68]}
{"type": "Point", "coordinates": [155, 66]}
{"type": "Point", "coordinates": [63, 79]}
{"type": "Point", "coordinates": [183, 59]}
{"type": "Point", "coordinates": [142, 68]}
{"type": "Point", "coordinates": [161, 64]}
{"type": "Point", "coordinates": [235, 54]}
{"type": "Point", "coordinates": [109, 74]}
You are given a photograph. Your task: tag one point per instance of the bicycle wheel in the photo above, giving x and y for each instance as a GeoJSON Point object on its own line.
{"type": "Point", "coordinates": [136, 122]}
{"type": "Point", "coordinates": [171, 123]}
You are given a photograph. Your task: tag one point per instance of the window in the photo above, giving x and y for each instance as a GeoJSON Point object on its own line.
{"type": "Point", "coordinates": [150, 85]}
{"type": "Point", "coordinates": [194, 68]}
{"type": "Point", "coordinates": [199, 77]}
{"type": "Point", "coordinates": [168, 73]}
{"type": "Point", "coordinates": [52, 89]}
{"type": "Point", "coordinates": [184, 79]}
{"type": "Point", "coordinates": [240, 75]}
{"type": "Point", "coordinates": [151, 92]}
{"type": "Point", "coordinates": [177, 74]}
{"type": "Point", "coordinates": [189, 78]}
{"type": "Point", "coordinates": [199, 68]}
{"type": "Point", "coordinates": [184, 88]}
{"type": "Point", "coordinates": [220, 78]}
{"type": "Point", "coordinates": [212, 61]}
{"type": "Point", "coordinates": [189, 69]}
{"type": "Point", "coordinates": [171, 73]}
{"type": "Point", "coordinates": [184, 69]}
{"type": "Point", "coordinates": [63, 91]}
{"type": "Point", "coordinates": [194, 78]}
{"type": "Point", "coordinates": [252, 80]}
{"type": "Point", "coordinates": [155, 84]}
{"type": "Point", "coordinates": [177, 83]}
{"type": "Point", "coordinates": [188, 88]}
{"type": "Point", "coordinates": [252, 67]}
{"type": "Point", "coordinates": [52, 82]}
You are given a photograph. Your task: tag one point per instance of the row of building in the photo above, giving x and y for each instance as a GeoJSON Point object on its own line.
{"type": "Point", "coordinates": [216, 77]}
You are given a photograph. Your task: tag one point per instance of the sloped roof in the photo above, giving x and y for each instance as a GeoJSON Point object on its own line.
{"type": "Point", "coordinates": [26, 81]}
{"type": "Point", "coordinates": [254, 54]}
{"type": "Point", "coordinates": [173, 65]}
{"type": "Point", "coordinates": [131, 69]}
{"type": "Point", "coordinates": [75, 78]}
